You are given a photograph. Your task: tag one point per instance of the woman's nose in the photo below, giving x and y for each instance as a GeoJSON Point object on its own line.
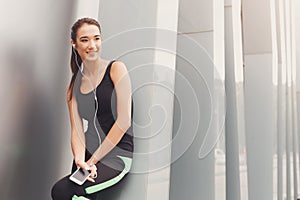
{"type": "Point", "coordinates": [92, 44]}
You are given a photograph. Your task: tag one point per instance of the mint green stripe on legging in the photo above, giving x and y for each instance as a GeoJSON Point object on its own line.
{"type": "Point", "coordinates": [106, 184]}
{"type": "Point", "coordinates": [79, 198]}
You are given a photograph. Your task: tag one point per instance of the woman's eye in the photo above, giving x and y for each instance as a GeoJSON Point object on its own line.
{"type": "Point", "coordinates": [97, 38]}
{"type": "Point", "coordinates": [83, 40]}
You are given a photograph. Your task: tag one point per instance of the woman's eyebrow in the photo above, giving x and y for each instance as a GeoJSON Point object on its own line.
{"type": "Point", "coordinates": [83, 37]}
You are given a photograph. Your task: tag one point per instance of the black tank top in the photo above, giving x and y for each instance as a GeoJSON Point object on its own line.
{"type": "Point", "coordinates": [105, 116]}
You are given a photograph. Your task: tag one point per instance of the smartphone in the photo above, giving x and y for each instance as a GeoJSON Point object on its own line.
{"type": "Point", "coordinates": [80, 176]}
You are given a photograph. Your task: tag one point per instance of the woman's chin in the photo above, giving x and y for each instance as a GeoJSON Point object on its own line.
{"type": "Point", "coordinates": [91, 58]}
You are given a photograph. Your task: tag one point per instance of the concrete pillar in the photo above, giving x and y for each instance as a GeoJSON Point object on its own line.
{"type": "Point", "coordinates": [87, 8]}
{"type": "Point", "coordinates": [236, 168]}
{"type": "Point", "coordinates": [143, 34]}
{"type": "Point", "coordinates": [294, 101]}
{"type": "Point", "coordinates": [199, 110]}
{"type": "Point", "coordinates": [260, 53]}
{"type": "Point", "coordinates": [281, 98]}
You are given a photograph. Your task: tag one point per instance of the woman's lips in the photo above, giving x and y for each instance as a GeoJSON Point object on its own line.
{"type": "Point", "coordinates": [92, 53]}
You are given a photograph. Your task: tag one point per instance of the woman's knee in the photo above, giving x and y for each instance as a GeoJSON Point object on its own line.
{"type": "Point", "coordinates": [54, 191]}
{"type": "Point", "coordinates": [59, 191]}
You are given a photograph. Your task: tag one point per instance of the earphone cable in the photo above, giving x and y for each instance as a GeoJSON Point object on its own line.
{"type": "Point", "coordinates": [94, 92]}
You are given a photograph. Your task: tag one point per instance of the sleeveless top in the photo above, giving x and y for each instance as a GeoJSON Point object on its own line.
{"type": "Point", "coordinates": [99, 125]}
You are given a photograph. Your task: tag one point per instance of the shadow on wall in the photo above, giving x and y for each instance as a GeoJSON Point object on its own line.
{"type": "Point", "coordinates": [28, 127]}
{"type": "Point", "coordinates": [33, 76]}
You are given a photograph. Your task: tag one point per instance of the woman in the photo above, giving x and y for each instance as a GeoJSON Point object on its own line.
{"type": "Point", "coordinates": [100, 108]}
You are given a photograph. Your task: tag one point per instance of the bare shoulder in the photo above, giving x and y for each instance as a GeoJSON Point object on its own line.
{"type": "Point", "coordinates": [118, 66]}
{"type": "Point", "coordinates": [118, 69]}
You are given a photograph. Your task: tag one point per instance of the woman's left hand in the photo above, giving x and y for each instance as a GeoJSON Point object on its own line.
{"type": "Point", "coordinates": [93, 169]}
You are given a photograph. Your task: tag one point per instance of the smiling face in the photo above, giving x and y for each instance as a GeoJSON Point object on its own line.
{"type": "Point", "coordinates": [88, 42]}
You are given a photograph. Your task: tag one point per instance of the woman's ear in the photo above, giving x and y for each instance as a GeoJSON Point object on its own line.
{"type": "Point", "coordinates": [73, 44]}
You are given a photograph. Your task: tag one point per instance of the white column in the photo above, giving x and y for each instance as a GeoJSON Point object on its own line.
{"type": "Point", "coordinates": [291, 64]}
{"type": "Point", "coordinates": [143, 34]}
{"type": "Point", "coordinates": [236, 168]}
{"type": "Point", "coordinates": [260, 53]}
{"type": "Point", "coordinates": [294, 101]}
{"type": "Point", "coordinates": [89, 8]}
{"type": "Point", "coordinates": [296, 49]}
{"type": "Point", "coordinates": [281, 115]}
{"type": "Point", "coordinates": [200, 67]}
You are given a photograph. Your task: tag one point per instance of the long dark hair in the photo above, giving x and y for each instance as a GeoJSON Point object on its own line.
{"type": "Point", "coordinates": [75, 65]}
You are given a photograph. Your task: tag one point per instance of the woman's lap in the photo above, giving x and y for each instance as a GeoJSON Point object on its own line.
{"type": "Point", "coordinates": [110, 170]}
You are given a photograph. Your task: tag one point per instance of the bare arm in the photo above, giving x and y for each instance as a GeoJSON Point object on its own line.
{"type": "Point", "coordinates": [77, 135]}
{"type": "Point", "coordinates": [122, 85]}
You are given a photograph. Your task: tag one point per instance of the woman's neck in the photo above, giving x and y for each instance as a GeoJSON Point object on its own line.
{"type": "Point", "coordinates": [92, 68]}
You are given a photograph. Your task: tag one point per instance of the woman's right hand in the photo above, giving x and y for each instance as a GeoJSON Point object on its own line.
{"type": "Point", "coordinates": [86, 166]}
{"type": "Point", "coordinates": [82, 164]}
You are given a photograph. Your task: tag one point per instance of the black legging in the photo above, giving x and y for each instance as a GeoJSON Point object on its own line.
{"type": "Point", "coordinates": [110, 170]}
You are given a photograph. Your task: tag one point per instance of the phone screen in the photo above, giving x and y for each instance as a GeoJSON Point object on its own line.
{"type": "Point", "coordinates": [80, 175]}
